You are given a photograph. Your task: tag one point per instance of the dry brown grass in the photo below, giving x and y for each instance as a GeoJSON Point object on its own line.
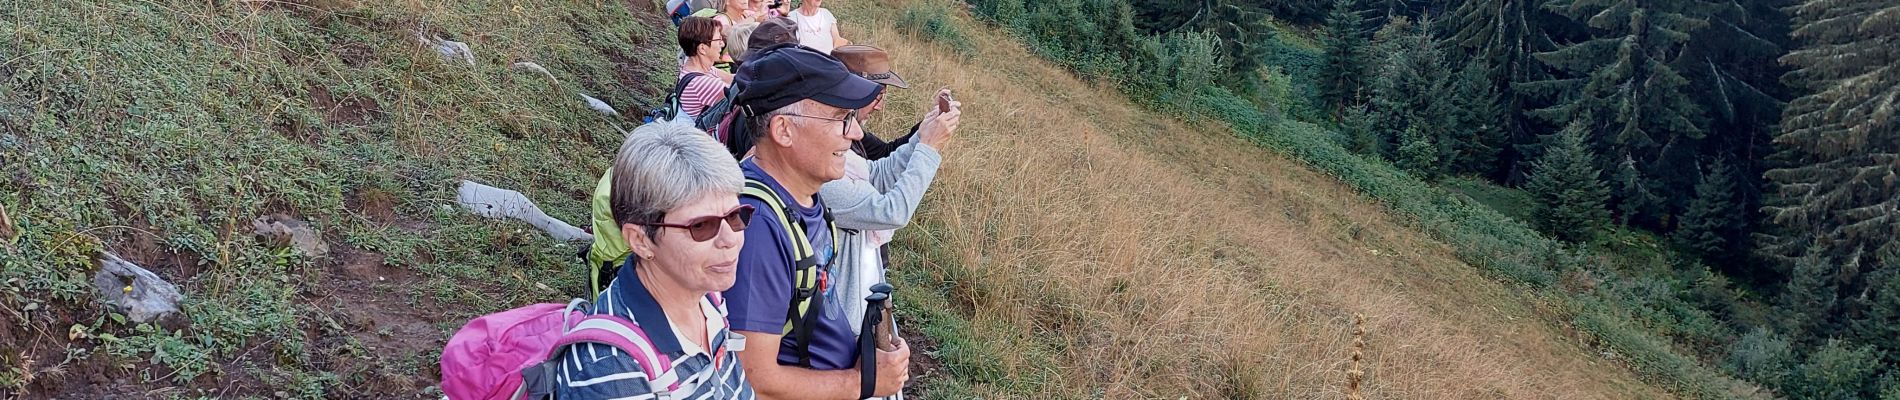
{"type": "Point", "coordinates": [1164, 258]}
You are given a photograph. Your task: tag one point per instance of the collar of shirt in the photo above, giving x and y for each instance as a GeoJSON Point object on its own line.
{"type": "Point", "coordinates": [639, 303]}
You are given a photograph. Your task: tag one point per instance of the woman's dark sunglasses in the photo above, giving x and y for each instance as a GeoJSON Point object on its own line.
{"type": "Point", "coordinates": [705, 228]}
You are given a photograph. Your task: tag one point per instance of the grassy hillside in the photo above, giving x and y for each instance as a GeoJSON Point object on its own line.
{"type": "Point", "coordinates": [1076, 245]}
{"type": "Point", "coordinates": [158, 130]}
{"type": "Point", "coordinates": [1079, 245]}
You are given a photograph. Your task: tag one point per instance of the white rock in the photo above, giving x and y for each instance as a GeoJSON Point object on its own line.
{"type": "Point", "coordinates": [494, 202]}
{"type": "Point", "coordinates": [530, 66]}
{"type": "Point", "coordinates": [600, 106]}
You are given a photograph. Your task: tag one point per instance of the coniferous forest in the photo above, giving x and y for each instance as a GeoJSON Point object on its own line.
{"type": "Point", "coordinates": [1751, 143]}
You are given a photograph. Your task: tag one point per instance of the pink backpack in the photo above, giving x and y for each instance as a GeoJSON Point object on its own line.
{"type": "Point", "coordinates": [514, 354]}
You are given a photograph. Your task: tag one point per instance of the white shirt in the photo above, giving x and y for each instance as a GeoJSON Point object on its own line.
{"type": "Point", "coordinates": [816, 30]}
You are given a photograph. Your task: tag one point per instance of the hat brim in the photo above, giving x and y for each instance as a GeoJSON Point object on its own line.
{"type": "Point", "coordinates": [891, 78]}
{"type": "Point", "coordinates": [851, 93]}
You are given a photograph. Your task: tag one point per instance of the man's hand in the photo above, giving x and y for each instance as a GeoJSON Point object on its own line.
{"type": "Point", "coordinates": [938, 127]}
{"type": "Point", "coordinates": [893, 370]}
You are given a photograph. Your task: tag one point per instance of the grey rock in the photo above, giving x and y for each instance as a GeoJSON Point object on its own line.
{"type": "Point", "coordinates": [141, 295]}
{"type": "Point", "coordinates": [281, 230]}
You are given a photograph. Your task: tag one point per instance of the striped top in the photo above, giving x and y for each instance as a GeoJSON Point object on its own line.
{"type": "Point", "coordinates": [704, 91]}
{"type": "Point", "coordinates": [598, 371]}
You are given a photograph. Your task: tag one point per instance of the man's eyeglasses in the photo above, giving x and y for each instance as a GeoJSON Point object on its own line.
{"type": "Point", "coordinates": [705, 228]}
{"type": "Point", "coordinates": [850, 118]}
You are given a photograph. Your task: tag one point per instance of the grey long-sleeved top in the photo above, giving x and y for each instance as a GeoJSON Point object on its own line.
{"type": "Point", "coordinates": [895, 189]}
{"type": "Point", "coordinates": [887, 202]}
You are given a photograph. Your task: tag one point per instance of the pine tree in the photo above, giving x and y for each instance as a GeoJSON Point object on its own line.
{"type": "Point", "coordinates": [1477, 117]}
{"type": "Point", "coordinates": [1843, 137]}
{"type": "Point", "coordinates": [1564, 182]}
{"type": "Point", "coordinates": [1634, 199]}
{"type": "Point", "coordinates": [1345, 58]}
{"type": "Point", "coordinates": [1809, 297]}
{"type": "Point", "coordinates": [1621, 85]}
{"type": "Point", "coordinates": [1502, 36]}
{"type": "Point", "coordinates": [1712, 225]}
{"type": "Point", "coordinates": [1417, 153]}
{"type": "Point", "coordinates": [1882, 319]}
{"type": "Point", "coordinates": [1360, 131]}
{"type": "Point", "coordinates": [1407, 87]}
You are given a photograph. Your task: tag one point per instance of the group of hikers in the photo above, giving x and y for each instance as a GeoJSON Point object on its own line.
{"type": "Point", "coordinates": [762, 277]}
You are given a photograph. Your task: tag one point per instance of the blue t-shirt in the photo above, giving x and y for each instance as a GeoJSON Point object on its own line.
{"type": "Point", "coordinates": [759, 297]}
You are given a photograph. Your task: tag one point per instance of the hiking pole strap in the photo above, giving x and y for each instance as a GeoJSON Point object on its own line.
{"type": "Point", "coordinates": [867, 344]}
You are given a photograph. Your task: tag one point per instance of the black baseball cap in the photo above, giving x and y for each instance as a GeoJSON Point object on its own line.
{"type": "Point", "coordinates": [784, 74]}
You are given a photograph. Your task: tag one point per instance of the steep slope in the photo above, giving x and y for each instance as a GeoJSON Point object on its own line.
{"type": "Point", "coordinates": [158, 130]}
{"type": "Point", "coordinates": [1075, 246]}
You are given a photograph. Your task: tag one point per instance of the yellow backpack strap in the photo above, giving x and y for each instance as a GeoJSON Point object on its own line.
{"type": "Point", "coordinates": [806, 275]}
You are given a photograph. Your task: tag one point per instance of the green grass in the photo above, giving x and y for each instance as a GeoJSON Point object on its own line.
{"type": "Point", "coordinates": [933, 22]}
{"type": "Point", "coordinates": [157, 130]}
{"type": "Point", "coordinates": [1657, 334]}
{"type": "Point", "coordinates": [1513, 203]}
{"type": "Point", "coordinates": [975, 364]}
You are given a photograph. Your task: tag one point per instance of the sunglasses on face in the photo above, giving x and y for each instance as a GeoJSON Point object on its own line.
{"type": "Point", "coordinates": [705, 228]}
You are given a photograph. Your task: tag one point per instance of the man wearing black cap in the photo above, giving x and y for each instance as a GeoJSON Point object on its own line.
{"type": "Point", "coordinates": [800, 106]}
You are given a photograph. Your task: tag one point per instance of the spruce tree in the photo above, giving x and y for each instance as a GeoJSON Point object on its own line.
{"type": "Point", "coordinates": [1477, 122]}
{"type": "Point", "coordinates": [1809, 297]}
{"type": "Point", "coordinates": [1503, 36]}
{"type": "Point", "coordinates": [1712, 224]}
{"type": "Point", "coordinates": [1622, 87]}
{"type": "Point", "coordinates": [1564, 182]}
{"type": "Point", "coordinates": [1634, 197]}
{"type": "Point", "coordinates": [1417, 154]}
{"type": "Point", "coordinates": [1345, 58]}
{"type": "Point", "coordinates": [1407, 87]}
{"type": "Point", "coordinates": [1882, 319]}
{"type": "Point", "coordinates": [1360, 131]}
{"type": "Point", "coordinates": [1843, 137]}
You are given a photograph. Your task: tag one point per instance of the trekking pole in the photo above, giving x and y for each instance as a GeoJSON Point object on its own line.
{"type": "Point", "coordinates": [886, 327]}
{"type": "Point", "coordinates": [868, 341]}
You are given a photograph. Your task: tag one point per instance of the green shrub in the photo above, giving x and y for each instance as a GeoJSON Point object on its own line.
{"type": "Point", "coordinates": [1838, 370]}
{"type": "Point", "coordinates": [933, 23]}
{"type": "Point", "coordinates": [1762, 356]}
{"type": "Point", "coordinates": [1184, 64]}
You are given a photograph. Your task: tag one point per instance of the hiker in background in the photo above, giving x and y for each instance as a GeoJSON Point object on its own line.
{"type": "Point", "coordinates": [736, 39]}
{"type": "Point", "coordinates": [874, 64]}
{"type": "Point", "coordinates": [731, 15]}
{"type": "Point", "coordinates": [736, 12]}
{"type": "Point", "coordinates": [701, 84]}
{"type": "Point", "coordinates": [817, 29]}
{"type": "Point", "coordinates": [772, 32]}
{"type": "Point", "coordinates": [768, 8]}
{"type": "Point", "coordinates": [876, 197]}
{"type": "Point", "coordinates": [803, 104]}
{"type": "Point", "coordinates": [675, 200]}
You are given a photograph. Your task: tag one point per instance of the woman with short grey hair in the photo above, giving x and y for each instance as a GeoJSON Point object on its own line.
{"type": "Point", "coordinates": [675, 196]}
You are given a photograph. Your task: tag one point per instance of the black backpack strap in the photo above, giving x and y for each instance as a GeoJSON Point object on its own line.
{"type": "Point", "coordinates": [673, 100]}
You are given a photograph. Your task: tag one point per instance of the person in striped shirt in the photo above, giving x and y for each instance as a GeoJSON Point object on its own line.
{"type": "Point", "coordinates": [703, 41]}
{"type": "Point", "coordinates": [675, 196]}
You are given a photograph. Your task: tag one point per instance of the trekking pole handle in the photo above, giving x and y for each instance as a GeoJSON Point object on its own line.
{"type": "Point", "coordinates": [867, 344]}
